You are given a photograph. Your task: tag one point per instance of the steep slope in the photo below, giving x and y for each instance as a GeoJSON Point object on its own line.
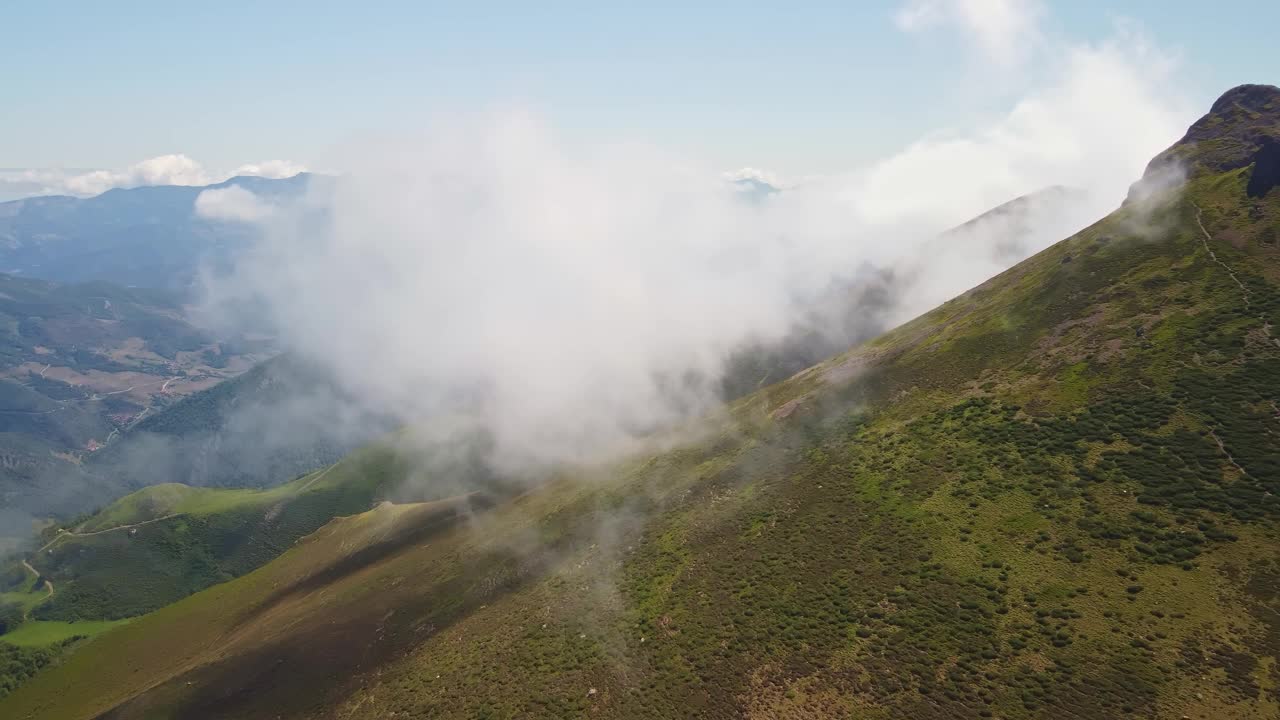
{"type": "Point", "coordinates": [1057, 495]}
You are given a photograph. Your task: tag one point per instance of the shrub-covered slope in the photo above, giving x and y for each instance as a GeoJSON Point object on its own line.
{"type": "Point", "coordinates": [1056, 496]}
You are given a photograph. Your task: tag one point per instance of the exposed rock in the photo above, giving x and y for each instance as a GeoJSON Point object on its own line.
{"type": "Point", "coordinates": [1266, 169]}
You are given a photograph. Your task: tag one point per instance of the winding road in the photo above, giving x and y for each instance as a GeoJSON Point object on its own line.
{"type": "Point", "coordinates": [48, 584]}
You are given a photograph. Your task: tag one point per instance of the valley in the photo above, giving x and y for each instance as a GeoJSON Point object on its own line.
{"type": "Point", "coordinates": [80, 364]}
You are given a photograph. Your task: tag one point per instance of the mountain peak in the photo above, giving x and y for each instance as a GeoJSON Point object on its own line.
{"type": "Point", "coordinates": [1240, 122]}
{"type": "Point", "coordinates": [1238, 131]}
{"type": "Point", "coordinates": [1249, 98]}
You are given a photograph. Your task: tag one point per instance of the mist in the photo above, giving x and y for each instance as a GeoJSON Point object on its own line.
{"type": "Point", "coordinates": [494, 275]}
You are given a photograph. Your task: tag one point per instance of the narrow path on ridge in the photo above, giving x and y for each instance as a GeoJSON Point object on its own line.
{"type": "Point", "coordinates": [75, 533]}
{"type": "Point", "coordinates": [313, 480]}
{"type": "Point", "coordinates": [1206, 237]}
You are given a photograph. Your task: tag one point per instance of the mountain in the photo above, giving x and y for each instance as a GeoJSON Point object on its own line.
{"type": "Point", "coordinates": [857, 308]}
{"type": "Point", "coordinates": [1012, 231]}
{"type": "Point", "coordinates": [1056, 495]}
{"type": "Point", "coordinates": [144, 236]}
{"type": "Point", "coordinates": [78, 364]}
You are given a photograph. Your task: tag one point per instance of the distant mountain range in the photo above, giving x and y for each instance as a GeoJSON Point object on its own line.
{"type": "Point", "coordinates": [143, 237]}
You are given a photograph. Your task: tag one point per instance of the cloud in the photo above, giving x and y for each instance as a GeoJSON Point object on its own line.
{"type": "Point", "coordinates": [26, 182]}
{"type": "Point", "coordinates": [1109, 109]}
{"type": "Point", "coordinates": [492, 274]}
{"type": "Point", "coordinates": [1003, 31]}
{"type": "Point", "coordinates": [174, 169]}
{"type": "Point", "coordinates": [161, 170]}
{"type": "Point", "coordinates": [232, 203]}
{"type": "Point", "coordinates": [271, 169]}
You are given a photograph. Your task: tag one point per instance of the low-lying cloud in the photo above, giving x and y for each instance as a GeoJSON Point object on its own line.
{"type": "Point", "coordinates": [566, 297]}
{"type": "Point", "coordinates": [232, 204]}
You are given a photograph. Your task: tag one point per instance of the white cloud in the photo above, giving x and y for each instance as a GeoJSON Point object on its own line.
{"type": "Point", "coordinates": [234, 204]}
{"type": "Point", "coordinates": [1109, 108]}
{"type": "Point", "coordinates": [176, 169]}
{"type": "Point", "coordinates": [161, 170]}
{"type": "Point", "coordinates": [25, 182]}
{"type": "Point", "coordinates": [1002, 30]}
{"type": "Point", "coordinates": [560, 294]}
{"type": "Point", "coordinates": [271, 169]}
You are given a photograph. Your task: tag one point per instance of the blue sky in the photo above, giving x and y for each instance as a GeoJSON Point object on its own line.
{"type": "Point", "coordinates": [796, 87]}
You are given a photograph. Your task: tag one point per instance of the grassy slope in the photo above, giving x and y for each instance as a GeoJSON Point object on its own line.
{"type": "Point", "coordinates": [204, 626]}
{"type": "Point", "coordinates": [1055, 496]}
{"type": "Point", "coordinates": [191, 538]}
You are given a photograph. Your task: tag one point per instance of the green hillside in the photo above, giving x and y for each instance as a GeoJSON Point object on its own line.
{"type": "Point", "coordinates": [1056, 496]}
{"type": "Point", "coordinates": [164, 542]}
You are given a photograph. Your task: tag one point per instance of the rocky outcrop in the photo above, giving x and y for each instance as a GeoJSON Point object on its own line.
{"type": "Point", "coordinates": [1266, 169]}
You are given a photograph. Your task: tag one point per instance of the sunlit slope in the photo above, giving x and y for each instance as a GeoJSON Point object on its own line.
{"type": "Point", "coordinates": [1056, 496]}
{"type": "Point", "coordinates": [162, 543]}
